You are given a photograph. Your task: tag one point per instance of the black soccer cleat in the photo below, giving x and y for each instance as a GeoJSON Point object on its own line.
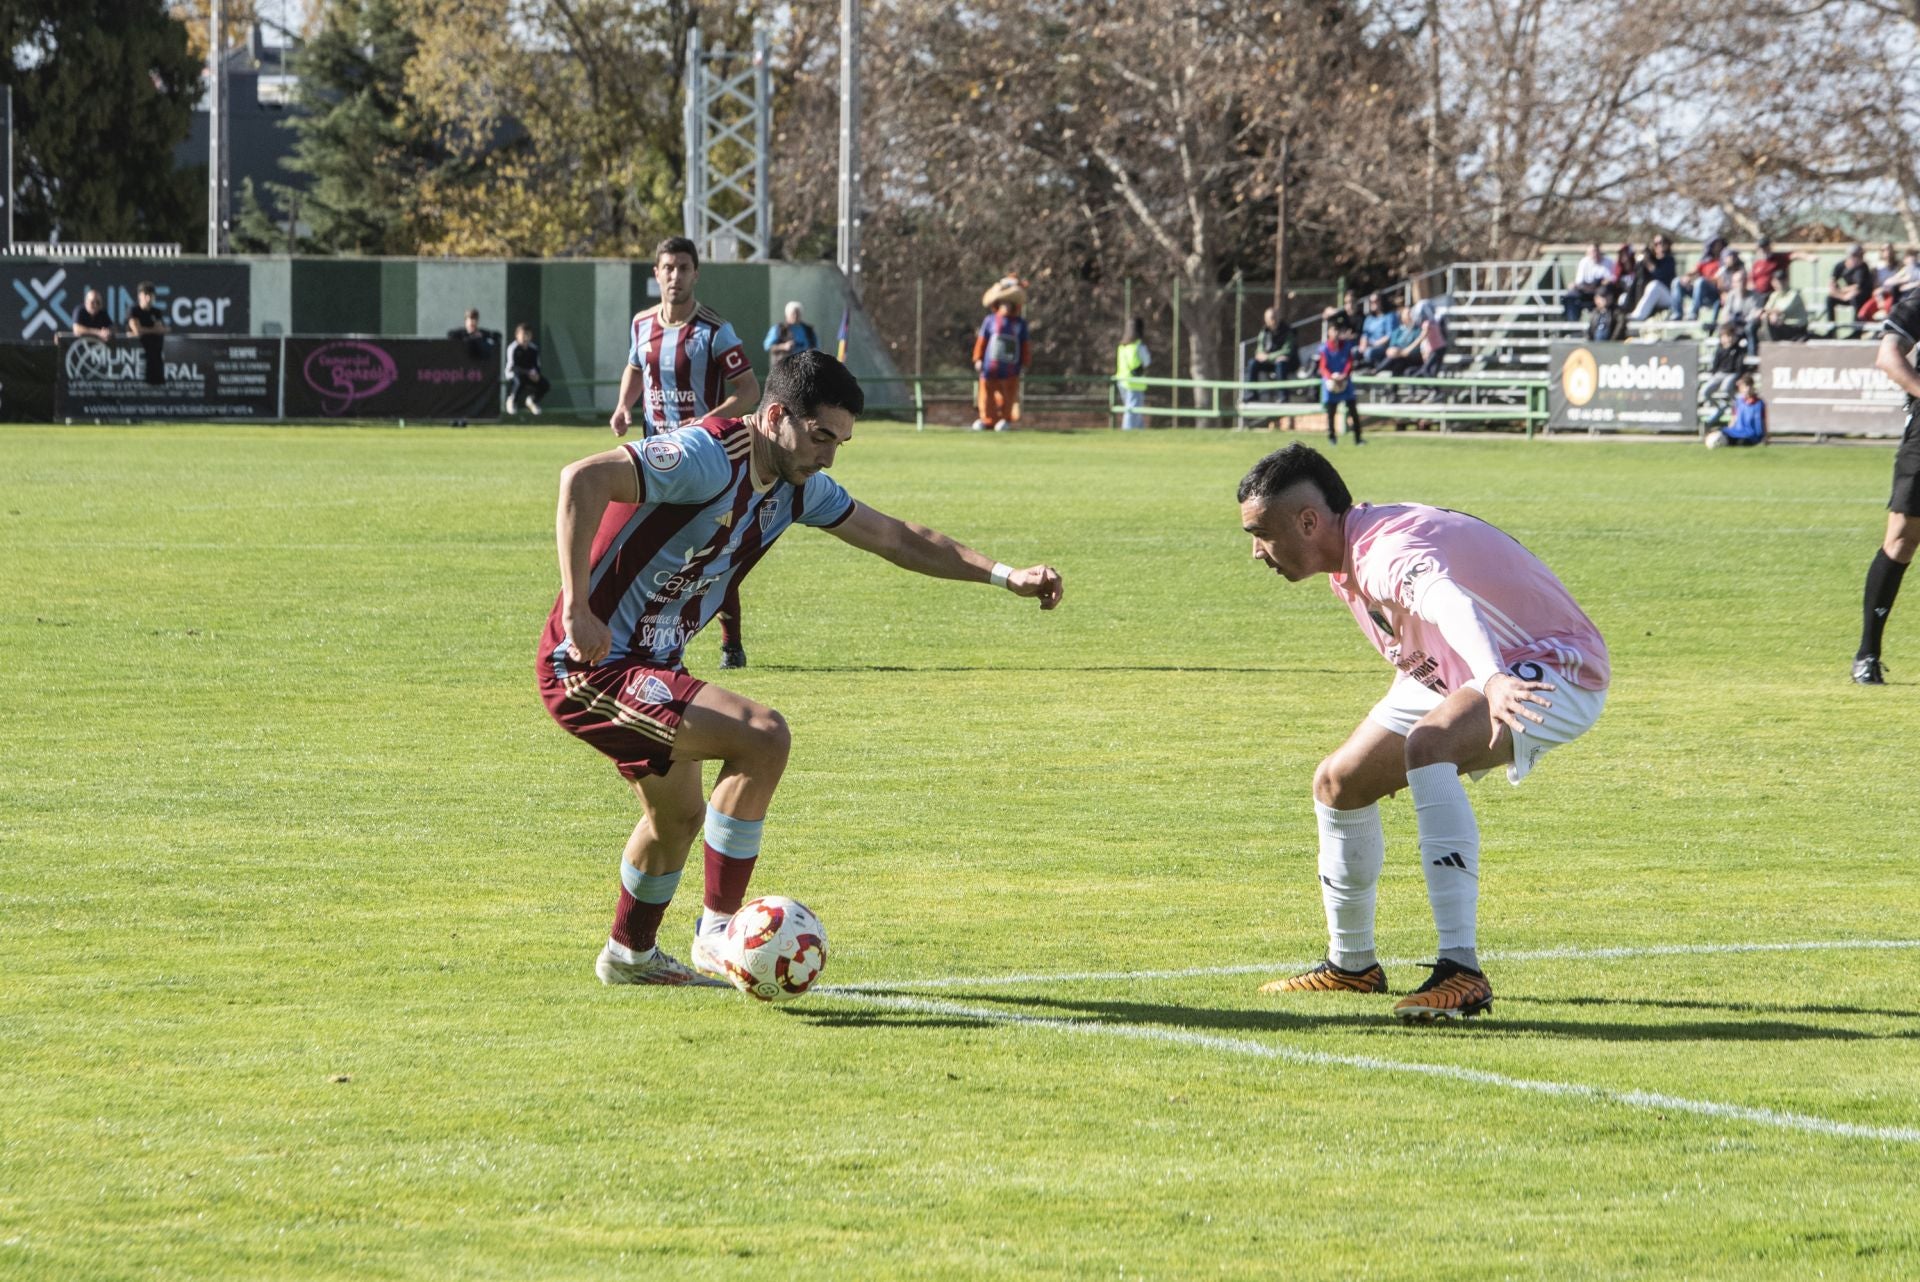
{"type": "Point", "coordinates": [733, 656]}
{"type": "Point", "coordinates": [1869, 671]}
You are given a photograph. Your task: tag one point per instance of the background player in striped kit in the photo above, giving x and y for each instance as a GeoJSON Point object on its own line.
{"type": "Point", "coordinates": [683, 357]}
{"type": "Point", "coordinates": [650, 538]}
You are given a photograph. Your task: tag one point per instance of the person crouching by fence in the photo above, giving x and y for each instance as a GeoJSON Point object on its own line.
{"type": "Point", "coordinates": [527, 385]}
{"type": "Point", "coordinates": [1749, 426]}
{"type": "Point", "coordinates": [1000, 354]}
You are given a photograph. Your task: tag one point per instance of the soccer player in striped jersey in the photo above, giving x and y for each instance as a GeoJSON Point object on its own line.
{"type": "Point", "coordinates": [682, 359]}
{"type": "Point", "coordinates": [650, 536]}
{"type": "Point", "coordinates": [1497, 665]}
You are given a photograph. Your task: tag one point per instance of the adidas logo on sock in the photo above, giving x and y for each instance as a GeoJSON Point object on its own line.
{"type": "Point", "coordinates": [1451, 861]}
{"type": "Point", "coordinates": [1880, 611]}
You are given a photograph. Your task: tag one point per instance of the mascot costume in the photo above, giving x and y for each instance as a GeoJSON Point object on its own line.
{"type": "Point", "coordinates": [1000, 354]}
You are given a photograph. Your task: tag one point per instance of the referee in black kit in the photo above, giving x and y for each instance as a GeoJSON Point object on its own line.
{"type": "Point", "coordinates": [1903, 508]}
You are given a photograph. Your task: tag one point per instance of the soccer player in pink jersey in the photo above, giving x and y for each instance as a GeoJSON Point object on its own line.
{"type": "Point", "coordinates": [651, 537]}
{"type": "Point", "coordinates": [683, 360]}
{"type": "Point", "coordinates": [1496, 666]}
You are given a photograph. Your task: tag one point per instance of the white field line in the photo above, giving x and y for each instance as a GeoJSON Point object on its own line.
{"type": "Point", "coordinates": [1282, 967]}
{"type": "Point", "coordinates": [1646, 1100]}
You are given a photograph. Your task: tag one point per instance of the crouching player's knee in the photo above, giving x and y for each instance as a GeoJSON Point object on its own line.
{"type": "Point", "coordinates": [772, 740]}
{"type": "Point", "coordinates": [1336, 785]}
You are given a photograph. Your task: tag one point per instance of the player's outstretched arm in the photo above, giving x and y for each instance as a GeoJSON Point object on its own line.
{"type": "Point", "coordinates": [586, 487]}
{"type": "Point", "coordinates": [929, 552]}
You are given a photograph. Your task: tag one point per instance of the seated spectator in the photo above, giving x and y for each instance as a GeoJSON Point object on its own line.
{"type": "Point", "coordinates": [1729, 365]}
{"type": "Point", "coordinates": [1608, 323]}
{"type": "Point", "coordinates": [1662, 290]}
{"type": "Point", "coordinates": [1594, 270]}
{"type": "Point", "coordinates": [1276, 355]}
{"type": "Point", "coordinates": [1850, 287]}
{"type": "Point", "coordinates": [1434, 344]}
{"type": "Point", "coordinates": [1749, 426]}
{"type": "Point", "coordinates": [791, 335]}
{"type": "Point", "coordinates": [526, 383]}
{"type": "Point", "coordinates": [1629, 278]}
{"type": "Point", "coordinates": [1908, 277]}
{"type": "Point", "coordinates": [1375, 330]}
{"type": "Point", "coordinates": [92, 321]}
{"type": "Point", "coordinates": [1766, 262]}
{"type": "Point", "coordinates": [1782, 318]}
{"type": "Point", "coordinates": [1703, 283]}
{"type": "Point", "coordinates": [1738, 302]}
{"type": "Point", "coordinates": [1403, 345]}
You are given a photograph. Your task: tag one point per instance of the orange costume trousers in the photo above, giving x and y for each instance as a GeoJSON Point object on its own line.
{"type": "Point", "coordinates": [999, 399]}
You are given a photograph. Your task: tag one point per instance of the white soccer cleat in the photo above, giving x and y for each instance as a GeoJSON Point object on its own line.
{"type": "Point", "coordinates": [979, 425]}
{"type": "Point", "coordinates": [655, 967]}
{"type": "Point", "coordinates": [510, 408]}
{"type": "Point", "coordinates": [1003, 426]}
{"type": "Point", "coordinates": [533, 408]}
{"type": "Point", "coordinates": [708, 954]}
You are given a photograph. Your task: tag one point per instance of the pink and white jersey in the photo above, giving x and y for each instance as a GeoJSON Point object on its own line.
{"type": "Point", "coordinates": [1396, 551]}
{"type": "Point", "coordinates": [684, 369]}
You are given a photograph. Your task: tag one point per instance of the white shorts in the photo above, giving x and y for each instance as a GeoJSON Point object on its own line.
{"type": "Point", "coordinates": [1573, 713]}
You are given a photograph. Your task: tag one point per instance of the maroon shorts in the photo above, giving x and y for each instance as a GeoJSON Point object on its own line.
{"type": "Point", "coordinates": [627, 709]}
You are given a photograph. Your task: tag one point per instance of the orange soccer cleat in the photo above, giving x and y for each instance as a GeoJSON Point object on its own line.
{"type": "Point", "coordinates": [1329, 978]}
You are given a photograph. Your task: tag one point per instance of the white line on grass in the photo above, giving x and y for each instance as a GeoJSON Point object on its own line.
{"type": "Point", "coordinates": [1646, 1100]}
{"type": "Point", "coordinates": [1255, 968]}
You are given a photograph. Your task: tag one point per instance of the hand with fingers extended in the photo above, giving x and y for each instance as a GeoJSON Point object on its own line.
{"type": "Point", "coordinates": [1042, 581]}
{"type": "Point", "coordinates": [1507, 700]}
{"type": "Point", "coordinates": [588, 639]}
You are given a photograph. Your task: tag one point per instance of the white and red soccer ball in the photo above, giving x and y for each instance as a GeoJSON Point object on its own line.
{"type": "Point", "coordinates": [776, 948]}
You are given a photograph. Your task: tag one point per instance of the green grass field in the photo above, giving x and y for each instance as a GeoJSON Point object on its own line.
{"type": "Point", "coordinates": [300, 889]}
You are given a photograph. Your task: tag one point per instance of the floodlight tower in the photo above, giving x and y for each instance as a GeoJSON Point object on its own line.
{"type": "Point", "coordinates": [217, 140]}
{"type": "Point", "coordinates": [849, 247]}
{"type": "Point", "coordinates": [729, 207]}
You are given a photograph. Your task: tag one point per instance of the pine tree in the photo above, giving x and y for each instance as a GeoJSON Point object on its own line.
{"type": "Point", "coordinates": [103, 91]}
{"type": "Point", "coordinates": [362, 143]}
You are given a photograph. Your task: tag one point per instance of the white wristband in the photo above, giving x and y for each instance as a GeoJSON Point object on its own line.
{"type": "Point", "coordinates": [1000, 572]}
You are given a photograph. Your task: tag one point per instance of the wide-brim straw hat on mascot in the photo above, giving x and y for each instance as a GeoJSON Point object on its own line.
{"type": "Point", "coordinates": [1008, 289]}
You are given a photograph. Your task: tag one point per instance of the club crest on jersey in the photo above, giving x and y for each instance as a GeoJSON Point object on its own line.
{"type": "Point", "coordinates": [769, 512]}
{"type": "Point", "coordinates": [654, 690]}
{"type": "Point", "coordinates": [662, 455]}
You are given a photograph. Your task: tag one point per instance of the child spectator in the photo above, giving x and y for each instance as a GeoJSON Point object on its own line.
{"type": "Point", "coordinates": [1749, 425]}
{"type": "Point", "coordinates": [1338, 355]}
{"type": "Point", "coordinates": [526, 383]}
{"type": "Point", "coordinates": [1729, 366]}
{"type": "Point", "coordinates": [1128, 364]}
{"type": "Point", "coordinates": [1609, 323]}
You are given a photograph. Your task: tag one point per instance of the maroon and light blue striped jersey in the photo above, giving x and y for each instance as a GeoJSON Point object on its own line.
{"type": "Point", "coordinates": [683, 368]}
{"type": "Point", "coordinates": [662, 565]}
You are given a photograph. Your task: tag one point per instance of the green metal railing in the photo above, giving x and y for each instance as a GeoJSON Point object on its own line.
{"type": "Point", "coordinates": [1452, 399]}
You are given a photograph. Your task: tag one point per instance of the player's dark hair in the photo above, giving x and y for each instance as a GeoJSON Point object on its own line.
{"type": "Point", "coordinates": [145, 287]}
{"type": "Point", "coordinates": [677, 245]}
{"type": "Point", "coordinates": [804, 381]}
{"type": "Point", "coordinates": [1282, 469]}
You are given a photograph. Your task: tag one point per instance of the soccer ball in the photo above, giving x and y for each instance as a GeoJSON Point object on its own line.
{"type": "Point", "coordinates": [776, 948]}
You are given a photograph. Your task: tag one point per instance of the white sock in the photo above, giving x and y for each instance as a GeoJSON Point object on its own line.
{"type": "Point", "coordinates": [1449, 856]}
{"type": "Point", "coordinates": [1352, 849]}
{"type": "Point", "coordinates": [621, 953]}
{"type": "Point", "coordinates": [712, 923]}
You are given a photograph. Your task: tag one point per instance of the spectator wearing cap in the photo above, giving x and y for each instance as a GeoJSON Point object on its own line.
{"type": "Point", "coordinates": [1766, 262]}
{"type": "Point", "coordinates": [1593, 270]}
{"type": "Point", "coordinates": [1850, 286]}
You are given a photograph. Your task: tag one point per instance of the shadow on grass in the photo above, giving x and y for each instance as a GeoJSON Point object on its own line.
{"type": "Point", "coordinates": [1000, 667]}
{"type": "Point", "coordinates": [1213, 1019]}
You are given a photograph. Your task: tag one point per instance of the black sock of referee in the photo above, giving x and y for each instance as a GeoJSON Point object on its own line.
{"type": "Point", "coordinates": [1883, 585]}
